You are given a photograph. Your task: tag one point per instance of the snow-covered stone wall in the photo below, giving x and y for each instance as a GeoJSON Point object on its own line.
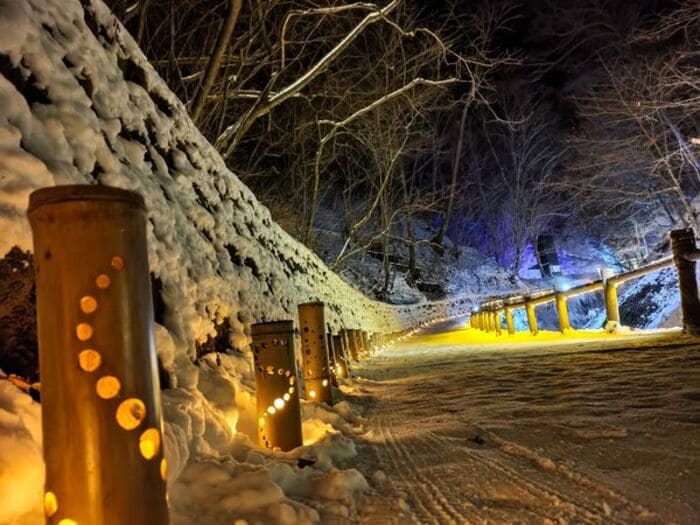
{"type": "Point", "coordinates": [79, 103]}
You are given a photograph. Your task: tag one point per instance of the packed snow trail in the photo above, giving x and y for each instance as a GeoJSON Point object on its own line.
{"type": "Point", "coordinates": [470, 428]}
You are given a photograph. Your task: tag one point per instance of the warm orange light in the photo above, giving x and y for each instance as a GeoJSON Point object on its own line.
{"type": "Point", "coordinates": [130, 413]}
{"type": "Point", "coordinates": [103, 281]}
{"type": "Point", "coordinates": [83, 331]}
{"type": "Point", "coordinates": [50, 504]}
{"type": "Point", "coordinates": [149, 443]}
{"type": "Point", "coordinates": [312, 394]}
{"type": "Point", "coordinates": [108, 387]}
{"type": "Point", "coordinates": [89, 360]}
{"type": "Point", "coordinates": [66, 521]}
{"type": "Point", "coordinates": [163, 469]}
{"type": "Point", "coordinates": [279, 403]}
{"type": "Point", "coordinates": [118, 262]}
{"type": "Point", "coordinates": [88, 304]}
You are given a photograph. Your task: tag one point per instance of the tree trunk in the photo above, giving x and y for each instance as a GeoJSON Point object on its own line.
{"type": "Point", "coordinates": [455, 171]}
{"type": "Point", "coordinates": [214, 63]}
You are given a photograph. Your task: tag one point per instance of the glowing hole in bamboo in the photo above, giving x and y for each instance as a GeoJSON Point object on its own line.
{"type": "Point", "coordinates": [88, 304]}
{"type": "Point", "coordinates": [149, 443]}
{"type": "Point", "coordinates": [108, 387]}
{"type": "Point", "coordinates": [103, 281]}
{"type": "Point", "coordinates": [279, 403]}
{"type": "Point", "coordinates": [130, 413]}
{"type": "Point", "coordinates": [89, 360]}
{"type": "Point", "coordinates": [50, 504]}
{"type": "Point", "coordinates": [118, 262]}
{"type": "Point", "coordinates": [83, 331]}
{"type": "Point", "coordinates": [163, 469]}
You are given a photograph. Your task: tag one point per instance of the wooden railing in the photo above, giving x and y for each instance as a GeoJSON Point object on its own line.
{"type": "Point", "coordinates": [488, 317]}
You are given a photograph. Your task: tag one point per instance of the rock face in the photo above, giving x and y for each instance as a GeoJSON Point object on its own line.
{"type": "Point", "coordinates": [79, 103]}
{"type": "Point", "coordinates": [18, 352]}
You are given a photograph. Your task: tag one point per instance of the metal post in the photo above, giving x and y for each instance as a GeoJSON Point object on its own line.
{"type": "Point", "coordinates": [100, 396]}
{"type": "Point", "coordinates": [314, 352]}
{"type": "Point", "coordinates": [562, 311]}
{"type": "Point", "coordinates": [684, 249]}
{"type": "Point", "coordinates": [531, 317]}
{"type": "Point", "coordinates": [509, 320]}
{"type": "Point", "coordinates": [279, 419]}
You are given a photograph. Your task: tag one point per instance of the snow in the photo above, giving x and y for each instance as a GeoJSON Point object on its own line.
{"type": "Point", "coordinates": [583, 428]}
{"type": "Point", "coordinates": [21, 463]}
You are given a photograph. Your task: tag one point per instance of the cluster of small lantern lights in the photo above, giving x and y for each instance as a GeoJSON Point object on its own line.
{"type": "Point", "coordinates": [131, 412]}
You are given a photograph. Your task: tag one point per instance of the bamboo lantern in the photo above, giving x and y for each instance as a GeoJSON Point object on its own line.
{"type": "Point", "coordinates": [277, 390]}
{"type": "Point", "coordinates": [331, 357]}
{"type": "Point", "coordinates": [341, 368]}
{"type": "Point", "coordinates": [314, 349]}
{"type": "Point", "coordinates": [353, 345]}
{"type": "Point", "coordinates": [101, 411]}
{"type": "Point", "coordinates": [366, 349]}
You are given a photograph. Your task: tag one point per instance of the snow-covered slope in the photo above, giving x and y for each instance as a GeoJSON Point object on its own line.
{"type": "Point", "coordinates": [80, 104]}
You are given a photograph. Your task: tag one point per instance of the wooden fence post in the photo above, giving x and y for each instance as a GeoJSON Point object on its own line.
{"type": "Point", "coordinates": [510, 324]}
{"type": "Point", "coordinates": [531, 316]}
{"type": "Point", "coordinates": [562, 312]}
{"type": "Point", "coordinates": [100, 396]}
{"type": "Point", "coordinates": [684, 256]}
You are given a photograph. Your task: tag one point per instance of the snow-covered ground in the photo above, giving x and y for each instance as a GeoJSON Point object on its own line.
{"type": "Point", "coordinates": [471, 428]}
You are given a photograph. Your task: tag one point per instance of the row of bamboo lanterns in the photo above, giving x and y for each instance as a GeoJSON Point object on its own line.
{"type": "Point", "coordinates": [101, 410]}
{"type": "Point", "coordinates": [489, 316]}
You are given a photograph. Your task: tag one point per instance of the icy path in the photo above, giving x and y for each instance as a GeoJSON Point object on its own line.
{"type": "Point", "coordinates": [601, 431]}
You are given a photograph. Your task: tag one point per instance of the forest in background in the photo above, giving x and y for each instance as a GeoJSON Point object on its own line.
{"type": "Point", "coordinates": [452, 118]}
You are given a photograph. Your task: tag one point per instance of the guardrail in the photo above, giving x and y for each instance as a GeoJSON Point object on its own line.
{"type": "Point", "coordinates": [489, 318]}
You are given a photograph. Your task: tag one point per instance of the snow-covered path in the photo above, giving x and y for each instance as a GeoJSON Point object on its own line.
{"type": "Point", "coordinates": [569, 431]}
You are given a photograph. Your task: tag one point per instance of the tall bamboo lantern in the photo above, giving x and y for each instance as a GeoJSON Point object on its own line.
{"type": "Point", "coordinates": [314, 350]}
{"type": "Point", "coordinates": [101, 411]}
{"type": "Point", "coordinates": [277, 389]}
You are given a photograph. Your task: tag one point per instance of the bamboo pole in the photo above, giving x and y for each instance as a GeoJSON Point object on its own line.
{"type": "Point", "coordinates": [101, 411]}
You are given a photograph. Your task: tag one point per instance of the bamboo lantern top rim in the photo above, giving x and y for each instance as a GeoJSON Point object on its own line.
{"type": "Point", "coordinates": [312, 303]}
{"type": "Point", "coordinates": [272, 327]}
{"type": "Point", "coordinates": [82, 192]}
